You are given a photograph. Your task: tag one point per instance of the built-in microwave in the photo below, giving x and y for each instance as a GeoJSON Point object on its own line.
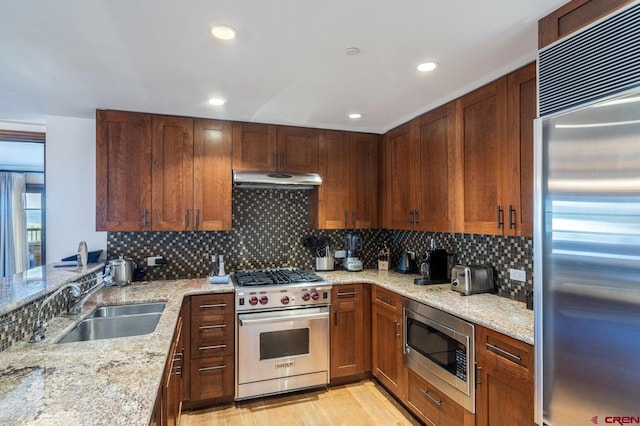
{"type": "Point", "coordinates": [440, 348]}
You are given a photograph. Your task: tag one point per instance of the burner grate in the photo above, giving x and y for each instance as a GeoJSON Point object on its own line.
{"type": "Point", "coordinates": [275, 277]}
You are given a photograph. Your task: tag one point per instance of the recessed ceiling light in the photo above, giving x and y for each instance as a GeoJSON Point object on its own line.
{"type": "Point", "coordinates": [217, 101]}
{"type": "Point", "coordinates": [355, 115]}
{"type": "Point", "coordinates": [223, 32]}
{"type": "Point", "coordinates": [427, 66]}
{"type": "Point", "coordinates": [351, 51]}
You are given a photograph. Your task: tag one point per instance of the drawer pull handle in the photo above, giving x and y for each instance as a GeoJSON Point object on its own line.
{"type": "Point", "coordinates": [502, 351]}
{"type": "Point", "coordinates": [219, 305]}
{"type": "Point", "coordinates": [347, 293]}
{"type": "Point", "coordinates": [384, 299]}
{"type": "Point", "coordinates": [204, 348]}
{"type": "Point", "coordinates": [397, 324]}
{"type": "Point", "coordinates": [219, 367]}
{"type": "Point", "coordinates": [426, 393]}
{"type": "Point", "coordinates": [208, 327]}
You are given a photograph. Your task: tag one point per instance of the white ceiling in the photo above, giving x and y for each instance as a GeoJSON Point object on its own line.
{"type": "Point", "coordinates": [287, 65]}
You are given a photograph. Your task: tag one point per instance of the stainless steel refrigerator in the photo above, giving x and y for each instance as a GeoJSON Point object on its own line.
{"type": "Point", "coordinates": [587, 263]}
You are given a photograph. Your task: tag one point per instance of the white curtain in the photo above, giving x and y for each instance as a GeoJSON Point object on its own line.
{"type": "Point", "coordinates": [14, 251]}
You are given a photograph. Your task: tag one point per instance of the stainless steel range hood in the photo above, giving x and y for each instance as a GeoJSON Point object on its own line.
{"type": "Point", "coordinates": [276, 180]}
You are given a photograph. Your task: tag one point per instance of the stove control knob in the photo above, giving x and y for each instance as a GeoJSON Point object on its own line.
{"type": "Point", "coordinates": [306, 296]}
{"type": "Point", "coordinates": [285, 300]}
{"type": "Point", "coordinates": [264, 300]}
{"type": "Point", "coordinates": [315, 295]}
{"type": "Point", "coordinates": [253, 300]}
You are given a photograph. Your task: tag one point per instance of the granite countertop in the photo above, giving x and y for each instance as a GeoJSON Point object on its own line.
{"type": "Point", "coordinates": [112, 381]}
{"type": "Point", "coordinates": [115, 381]}
{"type": "Point", "coordinates": [22, 288]}
{"type": "Point", "coordinates": [506, 316]}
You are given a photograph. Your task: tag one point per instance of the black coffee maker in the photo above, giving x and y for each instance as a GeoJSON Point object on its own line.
{"type": "Point", "coordinates": [434, 267]}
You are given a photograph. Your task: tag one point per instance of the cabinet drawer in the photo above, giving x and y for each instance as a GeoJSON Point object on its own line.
{"type": "Point", "coordinates": [505, 351]}
{"type": "Point", "coordinates": [212, 305]}
{"type": "Point", "coordinates": [386, 299]}
{"type": "Point", "coordinates": [212, 329]}
{"type": "Point", "coordinates": [212, 377]}
{"type": "Point", "coordinates": [346, 293]}
{"type": "Point", "coordinates": [431, 405]}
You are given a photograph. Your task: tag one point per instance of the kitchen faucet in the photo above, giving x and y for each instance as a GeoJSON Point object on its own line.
{"type": "Point", "coordinates": [41, 326]}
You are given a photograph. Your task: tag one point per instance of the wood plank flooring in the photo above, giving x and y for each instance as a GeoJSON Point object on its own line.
{"type": "Point", "coordinates": [364, 403]}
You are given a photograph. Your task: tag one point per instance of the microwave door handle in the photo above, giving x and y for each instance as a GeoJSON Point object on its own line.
{"type": "Point", "coordinates": [268, 320]}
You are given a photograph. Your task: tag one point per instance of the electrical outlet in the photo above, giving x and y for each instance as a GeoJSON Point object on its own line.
{"type": "Point", "coordinates": [155, 261]}
{"type": "Point", "coordinates": [339, 254]}
{"type": "Point", "coordinates": [518, 275]}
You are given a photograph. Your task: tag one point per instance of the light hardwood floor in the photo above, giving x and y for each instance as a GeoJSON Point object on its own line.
{"type": "Point", "coordinates": [364, 403]}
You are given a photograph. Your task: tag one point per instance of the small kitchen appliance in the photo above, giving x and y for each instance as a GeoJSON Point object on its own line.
{"type": "Point", "coordinates": [353, 247]}
{"type": "Point", "coordinates": [472, 279]}
{"type": "Point", "coordinates": [407, 263]}
{"type": "Point", "coordinates": [122, 271]}
{"type": "Point", "coordinates": [434, 267]}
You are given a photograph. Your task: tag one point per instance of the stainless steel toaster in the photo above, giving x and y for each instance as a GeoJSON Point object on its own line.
{"type": "Point", "coordinates": [472, 279]}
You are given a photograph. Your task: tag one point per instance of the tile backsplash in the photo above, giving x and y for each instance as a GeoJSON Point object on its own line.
{"type": "Point", "coordinates": [269, 227]}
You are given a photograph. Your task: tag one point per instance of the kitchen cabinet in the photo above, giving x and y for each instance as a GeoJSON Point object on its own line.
{"type": "Point", "coordinates": [191, 174]}
{"type": "Point", "coordinates": [171, 403]}
{"type": "Point", "coordinates": [263, 147]}
{"type": "Point", "coordinates": [123, 171]}
{"type": "Point", "coordinates": [212, 348]}
{"type": "Point", "coordinates": [504, 393]}
{"type": "Point", "coordinates": [399, 182]}
{"type": "Point", "coordinates": [386, 331]}
{"type": "Point", "coordinates": [347, 198]}
{"type": "Point", "coordinates": [572, 16]}
{"type": "Point", "coordinates": [350, 331]}
{"type": "Point", "coordinates": [432, 406]}
{"type": "Point", "coordinates": [521, 111]}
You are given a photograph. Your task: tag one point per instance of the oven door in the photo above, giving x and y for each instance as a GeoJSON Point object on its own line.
{"type": "Point", "coordinates": [283, 343]}
{"type": "Point", "coordinates": [439, 347]}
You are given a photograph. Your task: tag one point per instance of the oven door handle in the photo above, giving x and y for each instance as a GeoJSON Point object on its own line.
{"type": "Point", "coordinates": [267, 320]}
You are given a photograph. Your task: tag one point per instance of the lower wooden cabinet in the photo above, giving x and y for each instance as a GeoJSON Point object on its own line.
{"type": "Point", "coordinates": [212, 364]}
{"type": "Point", "coordinates": [169, 404]}
{"type": "Point", "coordinates": [386, 341]}
{"type": "Point", "coordinates": [350, 331]}
{"type": "Point", "coordinates": [504, 394]}
{"type": "Point", "coordinates": [431, 405]}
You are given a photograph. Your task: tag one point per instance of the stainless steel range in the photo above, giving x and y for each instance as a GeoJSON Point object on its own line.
{"type": "Point", "coordinates": [282, 331]}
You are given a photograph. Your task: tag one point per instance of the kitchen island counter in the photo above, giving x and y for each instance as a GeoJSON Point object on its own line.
{"type": "Point", "coordinates": [503, 315]}
{"type": "Point", "coordinates": [100, 382]}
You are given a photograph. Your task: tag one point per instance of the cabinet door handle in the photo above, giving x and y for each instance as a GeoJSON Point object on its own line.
{"type": "Point", "coordinates": [503, 352]}
{"type": "Point", "coordinates": [347, 293]}
{"type": "Point", "coordinates": [353, 219]}
{"type": "Point", "coordinates": [384, 299]}
{"type": "Point", "coordinates": [212, 368]}
{"type": "Point", "coordinates": [197, 218]}
{"type": "Point", "coordinates": [512, 215]}
{"type": "Point", "coordinates": [435, 401]}
{"type": "Point", "coordinates": [397, 324]}
{"type": "Point", "coordinates": [346, 219]}
{"type": "Point", "coordinates": [478, 368]}
{"type": "Point", "coordinates": [186, 219]}
{"type": "Point", "coordinates": [500, 214]}
{"type": "Point", "coordinates": [209, 327]}
{"type": "Point", "coordinates": [205, 348]}
{"type": "Point", "coordinates": [416, 216]}
{"type": "Point", "coordinates": [411, 217]}
{"type": "Point", "coordinates": [144, 218]}
{"type": "Point", "coordinates": [273, 159]}
{"type": "Point", "coordinates": [219, 305]}
{"type": "Point", "coordinates": [335, 317]}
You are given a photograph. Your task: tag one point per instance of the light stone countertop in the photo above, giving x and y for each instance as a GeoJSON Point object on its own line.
{"type": "Point", "coordinates": [102, 382]}
{"type": "Point", "coordinates": [115, 381]}
{"type": "Point", "coordinates": [506, 316]}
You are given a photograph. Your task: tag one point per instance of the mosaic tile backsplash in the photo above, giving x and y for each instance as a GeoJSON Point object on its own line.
{"type": "Point", "coordinates": [269, 227]}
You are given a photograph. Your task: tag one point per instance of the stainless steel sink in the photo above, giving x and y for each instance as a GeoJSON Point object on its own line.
{"type": "Point", "coordinates": [131, 309]}
{"type": "Point", "coordinates": [109, 322]}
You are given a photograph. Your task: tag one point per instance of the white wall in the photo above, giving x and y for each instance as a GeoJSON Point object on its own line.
{"type": "Point", "coordinates": [70, 171]}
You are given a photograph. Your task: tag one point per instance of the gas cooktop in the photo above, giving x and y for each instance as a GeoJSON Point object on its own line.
{"type": "Point", "coordinates": [272, 277]}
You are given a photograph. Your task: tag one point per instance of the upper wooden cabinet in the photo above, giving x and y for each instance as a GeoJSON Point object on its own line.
{"type": "Point", "coordinates": [573, 16]}
{"type": "Point", "coordinates": [496, 148]}
{"type": "Point", "coordinates": [123, 171]}
{"type": "Point", "coordinates": [347, 198]}
{"type": "Point", "coordinates": [264, 147]}
{"type": "Point", "coordinates": [162, 173]}
{"type": "Point", "coordinates": [399, 182]}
